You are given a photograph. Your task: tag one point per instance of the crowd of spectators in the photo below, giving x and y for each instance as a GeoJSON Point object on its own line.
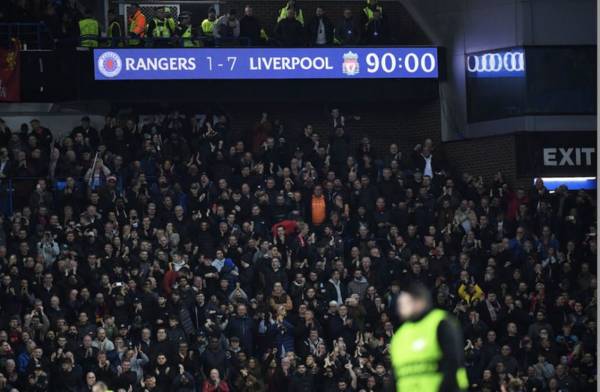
{"type": "Point", "coordinates": [70, 24]}
{"type": "Point", "coordinates": [175, 254]}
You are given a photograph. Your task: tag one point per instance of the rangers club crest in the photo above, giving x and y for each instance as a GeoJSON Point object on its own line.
{"type": "Point", "coordinates": [350, 64]}
{"type": "Point", "coordinates": [110, 64]}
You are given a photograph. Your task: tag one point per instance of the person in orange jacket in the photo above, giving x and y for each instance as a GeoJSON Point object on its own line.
{"type": "Point", "coordinates": [137, 25]}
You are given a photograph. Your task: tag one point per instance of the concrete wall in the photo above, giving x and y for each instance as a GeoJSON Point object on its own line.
{"type": "Point", "coordinates": [464, 26]}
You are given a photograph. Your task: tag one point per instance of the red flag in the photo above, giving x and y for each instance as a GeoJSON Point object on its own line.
{"type": "Point", "coordinates": [10, 74]}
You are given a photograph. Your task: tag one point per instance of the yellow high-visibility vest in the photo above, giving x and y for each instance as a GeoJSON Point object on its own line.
{"type": "Point", "coordinates": [416, 352]}
{"type": "Point", "coordinates": [369, 12]}
{"type": "Point", "coordinates": [162, 28]}
{"type": "Point", "coordinates": [208, 26]}
{"type": "Point", "coordinates": [188, 41]}
{"type": "Point", "coordinates": [89, 32]}
{"type": "Point", "coordinates": [283, 15]}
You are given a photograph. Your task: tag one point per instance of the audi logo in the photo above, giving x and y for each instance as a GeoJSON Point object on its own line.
{"type": "Point", "coordinates": [496, 62]}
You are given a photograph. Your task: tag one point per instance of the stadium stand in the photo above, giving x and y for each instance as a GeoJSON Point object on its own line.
{"type": "Point", "coordinates": [189, 242]}
{"type": "Point", "coordinates": [274, 257]}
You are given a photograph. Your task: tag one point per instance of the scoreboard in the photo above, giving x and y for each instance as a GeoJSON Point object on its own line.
{"type": "Point", "coordinates": [266, 63]}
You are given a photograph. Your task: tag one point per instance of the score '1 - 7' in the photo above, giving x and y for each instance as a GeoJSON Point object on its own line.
{"type": "Point", "coordinates": [231, 60]}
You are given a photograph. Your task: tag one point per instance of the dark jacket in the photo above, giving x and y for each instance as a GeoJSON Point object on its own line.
{"type": "Point", "coordinates": [243, 328]}
{"type": "Point", "coordinates": [214, 360]}
{"type": "Point", "coordinates": [68, 381]}
{"type": "Point", "coordinates": [312, 30]}
{"type": "Point", "coordinates": [347, 32]}
{"type": "Point", "coordinates": [282, 336]}
{"type": "Point", "coordinates": [376, 32]}
{"type": "Point", "coordinates": [419, 163]}
{"type": "Point", "coordinates": [250, 29]}
{"type": "Point", "coordinates": [289, 33]}
{"type": "Point", "coordinates": [331, 292]}
{"type": "Point", "coordinates": [302, 383]}
{"type": "Point", "coordinates": [339, 147]}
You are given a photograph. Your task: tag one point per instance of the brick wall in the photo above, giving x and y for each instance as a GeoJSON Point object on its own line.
{"type": "Point", "coordinates": [385, 123]}
{"type": "Point", "coordinates": [404, 124]}
{"type": "Point", "coordinates": [485, 157]}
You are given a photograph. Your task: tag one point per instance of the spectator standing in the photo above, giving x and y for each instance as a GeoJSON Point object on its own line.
{"type": "Point", "coordinates": [227, 29]}
{"type": "Point", "coordinates": [289, 31]}
{"type": "Point", "coordinates": [90, 134]}
{"type": "Point", "coordinates": [161, 28]}
{"type": "Point", "coordinates": [320, 29]}
{"type": "Point", "coordinates": [339, 147]}
{"type": "Point", "coordinates": [185, 32]}
{"type": "Point", "coordinates": [242, 326]}
{"type": "Point", "coordinates": [302, 381]}
{"type": "Point", "coordinates": [368, 12]}
{"type": "Point", "coordinates": [376, 30]}
{"type": "Point", "coordinates": [89, 30]}
{"type": "Point", "coordinates": [208, 24]}
{"type": "Point", "coordinates": [284, 12]}
{"type": "Point", "coordinates": [347, 31]}
{"type": "Point", "coordinates": [319, 210]}
{"type": "Point", "coordinates": [425, 162]}
{"type": "Point", "coordinates": [5, 134]}
{"type": "Point", "coordinates": [251, 28]}
{"type": "Point", "coordinates": [48, 248]}
{"type": "Point", "coordinates": [42, 134]}
{"type": "Point", "coordinates": [137, 25]}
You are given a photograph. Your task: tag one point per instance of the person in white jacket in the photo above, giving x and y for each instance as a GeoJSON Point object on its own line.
{"type": "Point", "coordinates": [48, 248]}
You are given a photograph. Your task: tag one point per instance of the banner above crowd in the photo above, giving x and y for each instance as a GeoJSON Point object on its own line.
{"type": "Point", "coordinates": [261, 63]}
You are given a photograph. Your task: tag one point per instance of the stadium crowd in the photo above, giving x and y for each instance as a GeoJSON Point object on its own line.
{"type": "Point", "coordinates": [70, 24]}
{"type": "Point", "coordinates": [175, 254]}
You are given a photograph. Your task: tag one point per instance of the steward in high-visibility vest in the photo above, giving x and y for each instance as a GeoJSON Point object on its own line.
{"type": "Point", "coordinates": [208, 25]}
{"type": "Point", "coordinates": [161, 26]}
{"type": "Point", "coordinates": [371, 6]}
{"type": "Point", "coordinates": [185, 31]}
{"type": "Point", "coordinates": [137, 26]}
{"type": "Point", "coordinates": [170, 19]}
{"type": "Point", "coordinates": [89, 31]}
{"type": "Point", "coordinates": [427, 350]}
{"type": "Point", "coordinates": [283, 12]}
{"type": "Point", "coordinates": [187, 38]}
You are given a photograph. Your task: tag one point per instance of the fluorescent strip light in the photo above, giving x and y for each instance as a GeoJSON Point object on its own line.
{"type": "Point", "coordinates": [573, 183]}
{"type": "Point", "coordinates": [566, 179]}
